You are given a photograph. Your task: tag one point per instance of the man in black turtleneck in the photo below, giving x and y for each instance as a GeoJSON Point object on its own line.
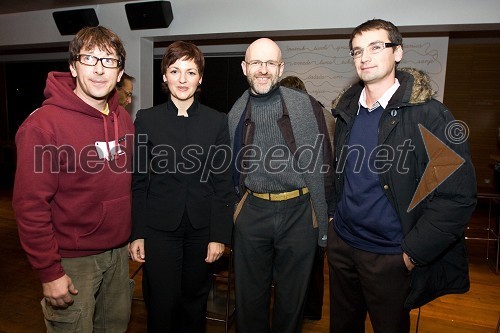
{"type": "Point", "coordinates": [283, 179]}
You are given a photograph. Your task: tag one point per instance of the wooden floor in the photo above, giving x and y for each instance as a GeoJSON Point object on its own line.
{"type": "Point", "coordinates": [476, 311]}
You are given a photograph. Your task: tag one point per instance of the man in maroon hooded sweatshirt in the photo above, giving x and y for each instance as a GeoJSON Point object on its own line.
{"type": "Point", "coordinates": [72, 189]}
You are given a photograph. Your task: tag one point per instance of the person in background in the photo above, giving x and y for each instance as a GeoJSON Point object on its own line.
{"type": "Point", "coordinates": [314, 299]}
{"type": "Point", "coordinates": [125, 88]}
{"type": "Point", "coordinates": [183, 197]}
{"type": "Point", "coordinates": [281, 160]}
{"type": "Point", "coordinates": [387, 253]}
{"type": "Point", "coordinates": [72, 189]}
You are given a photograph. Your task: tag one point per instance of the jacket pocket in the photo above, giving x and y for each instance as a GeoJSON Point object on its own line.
{"type": "Point", "coordinates": [113, 227]}
{"type": "Point", "coordinates": [69, 322]}
{"type": "Point", "coordinates": [448, 275]}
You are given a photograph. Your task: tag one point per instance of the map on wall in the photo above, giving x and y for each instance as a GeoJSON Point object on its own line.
{"type": "Point", "coordinates": [326, 67]}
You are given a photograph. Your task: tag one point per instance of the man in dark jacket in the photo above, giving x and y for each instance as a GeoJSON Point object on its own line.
{"type": "Point", "coordinates": [404, 191]}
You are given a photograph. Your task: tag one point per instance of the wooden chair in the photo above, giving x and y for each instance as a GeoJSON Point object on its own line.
{"type": "Point", "coordinates": [221, 306]}
{"type": "Point", "coordinates": [132, 283]}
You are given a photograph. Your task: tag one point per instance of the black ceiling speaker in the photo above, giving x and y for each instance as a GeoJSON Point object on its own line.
{"type": "Point", "coordinates": [69, 22]}
{"type": "Point", "coordinates": [149, 15]}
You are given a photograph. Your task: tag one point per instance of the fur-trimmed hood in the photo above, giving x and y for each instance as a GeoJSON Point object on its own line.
{"type": "Point", "coordinates": [416, 86]}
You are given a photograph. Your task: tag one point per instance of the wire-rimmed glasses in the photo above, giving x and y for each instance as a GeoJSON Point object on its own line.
{"type": "Point", "coordinates": [372, 48]}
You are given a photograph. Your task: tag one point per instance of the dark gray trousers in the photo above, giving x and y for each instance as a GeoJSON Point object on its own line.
{"type": "Point", "coordinates": [274, 242]}
{"type": "Point", "coordinates": [362, 282]}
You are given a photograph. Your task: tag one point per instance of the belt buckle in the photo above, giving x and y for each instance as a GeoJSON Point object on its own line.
{"type": "Point", "coordinates": [287, 195]}
{"type": "Point", "coordinates": [279, 196]}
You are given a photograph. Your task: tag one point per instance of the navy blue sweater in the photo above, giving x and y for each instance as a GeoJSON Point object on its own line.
{"type": "Point", "coordinates": [364, 218]}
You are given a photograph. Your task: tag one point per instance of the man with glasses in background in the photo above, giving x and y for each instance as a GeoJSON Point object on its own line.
{"type": "Point", "coordinates": [396, 239]}
{"type": "Point", "coordinates": [125, 88]}
{"type": "Point", "coordinates": [72, 189]}
{"type": "Point", "coordinates": [282, 156]}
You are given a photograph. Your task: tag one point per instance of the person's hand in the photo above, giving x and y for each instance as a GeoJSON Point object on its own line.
{"type": "Point", "coordinates": [58, 292]}
{"type": "Point", "coordinates": [136, 250]}
{"type": "Point", "coordinates": [408, 263]}
{"type": "Point", "coordinates": [214, 251]}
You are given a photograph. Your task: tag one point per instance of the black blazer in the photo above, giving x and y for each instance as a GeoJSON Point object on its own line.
{"type": "Point", "coordinates": [182, 163]}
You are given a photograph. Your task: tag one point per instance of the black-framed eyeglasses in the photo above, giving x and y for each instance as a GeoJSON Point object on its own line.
{"type": "Point", "coordinates": [372, 48]}
{"type": "Point", "coordinates": [90, 60]}
{"type": "Point", "coordinates": [270, 64]}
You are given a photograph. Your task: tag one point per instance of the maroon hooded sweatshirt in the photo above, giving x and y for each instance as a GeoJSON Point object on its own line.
{"type": "Point", "coordinates": [70, 198]}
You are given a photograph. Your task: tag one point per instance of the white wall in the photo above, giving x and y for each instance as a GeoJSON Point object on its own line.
{"type": "Point", "coordinates": [198, 19]}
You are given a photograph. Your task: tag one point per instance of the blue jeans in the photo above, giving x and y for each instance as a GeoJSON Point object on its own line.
{"type": "Point", "coordinates": [104, 295]}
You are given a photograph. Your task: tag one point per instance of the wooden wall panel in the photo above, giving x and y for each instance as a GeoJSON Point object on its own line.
{"type": "Point", "coordinates": [473, 95]}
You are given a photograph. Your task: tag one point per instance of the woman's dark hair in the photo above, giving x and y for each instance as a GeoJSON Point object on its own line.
{"type": "Point", "coordinates": [182, 50]}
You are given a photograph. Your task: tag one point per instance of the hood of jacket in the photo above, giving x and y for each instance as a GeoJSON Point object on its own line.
{"type": "Point", "coordinates": [59, 91]}
{"type": "Point", "coordinates": [415, 89]}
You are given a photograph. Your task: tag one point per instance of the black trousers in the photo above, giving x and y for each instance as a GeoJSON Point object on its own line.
{"type": "Point", "coordinates": [273, 241]}
{"type": "Point", "coordinates": [362, 282]}
{"type": "Point", "coordinates": [176, 279]}
{"type": "Point", "coordinates": [314, 298]}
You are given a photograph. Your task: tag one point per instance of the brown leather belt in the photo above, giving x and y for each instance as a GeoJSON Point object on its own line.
{"type": "Point", "coordinates": [280, 196]}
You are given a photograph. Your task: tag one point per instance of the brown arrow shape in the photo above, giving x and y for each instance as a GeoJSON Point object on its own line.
{"type": "Point", "coordinates": [443, 162]}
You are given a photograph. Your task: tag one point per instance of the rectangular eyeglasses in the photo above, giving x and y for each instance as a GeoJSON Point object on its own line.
{"type": "Point", "coordinates": [372, 48]}
{"type": "Point", "coordinates": [270, 64]}
{"type": "Point", "coordinates": [90, 60]}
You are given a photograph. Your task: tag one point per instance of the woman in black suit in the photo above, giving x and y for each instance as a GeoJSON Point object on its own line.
{"type": "Point", "coordinates": [182, 196]}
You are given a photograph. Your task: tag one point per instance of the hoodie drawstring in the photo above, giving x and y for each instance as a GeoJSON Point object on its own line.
{"type": "Point", "coordinates": [117, 146]}
{"type": "Point", "coordinates": [106, 136]}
